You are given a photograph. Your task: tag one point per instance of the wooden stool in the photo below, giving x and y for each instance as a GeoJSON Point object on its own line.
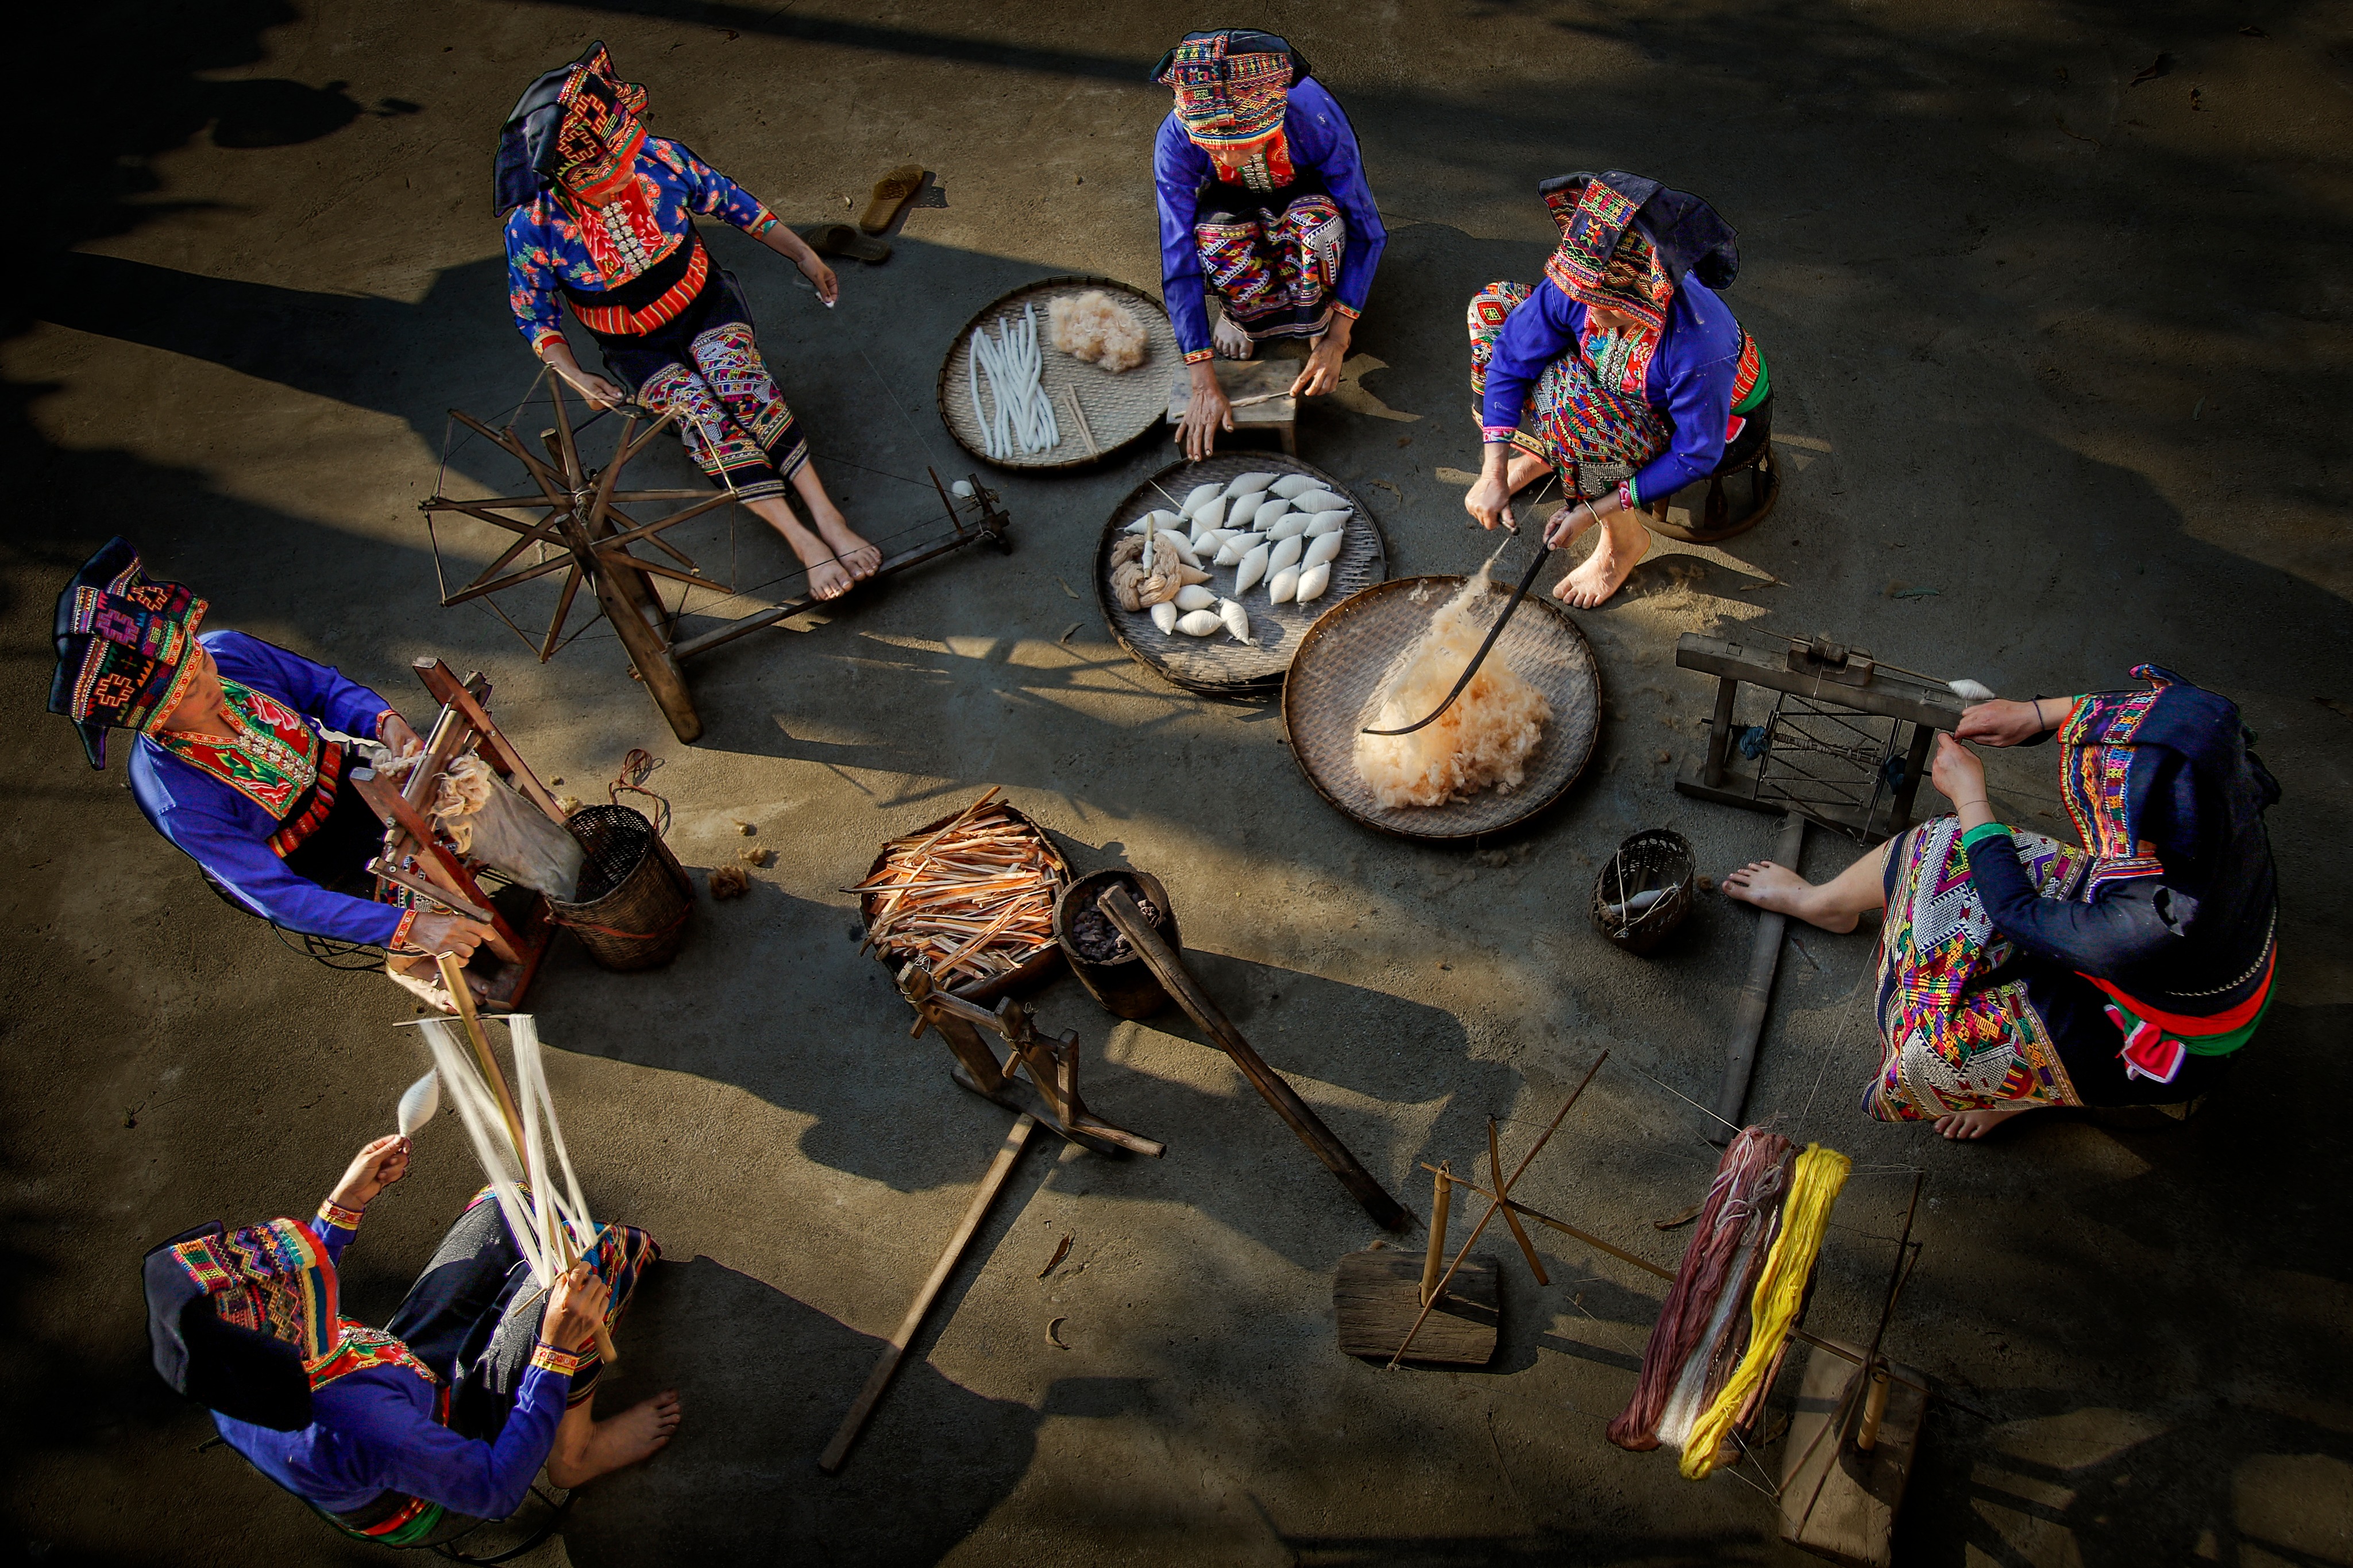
{"type": "Point", "coordinates": [1707, 510]}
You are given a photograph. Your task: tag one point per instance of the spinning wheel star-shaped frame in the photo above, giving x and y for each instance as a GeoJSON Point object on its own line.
{"type": "Point", "coordinates": [575, 526]}
{"type": "Point", "coordinates": [578, 512]}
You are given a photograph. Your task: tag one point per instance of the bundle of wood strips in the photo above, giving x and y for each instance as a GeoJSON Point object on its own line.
{"type": "Point", "coordinates": [974, 899]}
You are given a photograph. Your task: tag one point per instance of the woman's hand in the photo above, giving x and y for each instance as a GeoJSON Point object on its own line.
{"type": "Point", "coordinates": [574, 1307]}
{"type": "Point", "coordinates": [452, 934]}
{"type": "Point", "coordinates": [813, 268]}
{"type": "Point", "coordinates": [371, 1170]}
{"type": "Point", "coordinates": [1575, 518]}
{"type": "Point", "coordinates": [1490, 500]}
{"type": "Point", "coordinates": [1206, 412]}
{"type": "Point", "coordinates": [601, 394]}
{"type": "Point", "coordinates": [395, 733]}
{"type": "Point", "coordinates": [2003, 723]}
{"type": "Point", "coordinates": [1323, 372]}
{"type": "Point", "coordinates": [1960, 777]}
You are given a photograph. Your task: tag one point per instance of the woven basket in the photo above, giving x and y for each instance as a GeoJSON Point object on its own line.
{"type": "Point", "coordinates": [634, 898]}
{"type": "Point", "coordinates": [1654, 859]}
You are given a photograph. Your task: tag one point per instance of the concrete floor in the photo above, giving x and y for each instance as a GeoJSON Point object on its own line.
{"type": "Point", "coordinates": [2067, 351]}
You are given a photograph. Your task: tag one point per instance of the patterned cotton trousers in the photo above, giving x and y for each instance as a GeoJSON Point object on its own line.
{"type": "Point", "coordinates": [1275, 271]}
{"type": "Point", "coordinates": [1949, 1041]}
{"type": "Point", "coordinates": [731, 414]}
{"type": "Point", "coordinates": [1591, 434]}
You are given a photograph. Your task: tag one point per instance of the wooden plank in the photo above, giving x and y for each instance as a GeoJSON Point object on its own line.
{"type": "Point", "coordinates": [442, 681]}
{"type": "Point", "coordinates": [1756, 994]}
{"type": "Point", "coordinates": [1890, 695]}
{"type": "Point", "coordinates": [436, 862]}
{"type": "Point", "coordinates": [1376, 1294]}
{"type": "Point", "coordinates": [896, 1346]}
{"type": "Point", "coordinates": [1170, 971]}
{"type": "Point", "coordinates": [1839, 1501]}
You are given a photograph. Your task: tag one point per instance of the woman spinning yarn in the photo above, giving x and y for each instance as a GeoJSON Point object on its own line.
{"type": "Point", "coordinates": [2016, 971]}
{"type": "Point", "coordinates": [1622, 371]}
{"type": "Point", "coordinates": [602, 216]}
{"type": "Point", "coordinates": [1263, 199]}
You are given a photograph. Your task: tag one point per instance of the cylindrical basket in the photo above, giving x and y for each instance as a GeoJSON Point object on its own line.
{"type": "Point", "coordinates": [1657, 859]}
{"type": "Point", "coordinates": [634, 899]}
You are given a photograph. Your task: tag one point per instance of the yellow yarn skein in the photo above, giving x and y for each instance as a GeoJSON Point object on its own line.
{"type": "Point", "coordinates": [1814, 1186]}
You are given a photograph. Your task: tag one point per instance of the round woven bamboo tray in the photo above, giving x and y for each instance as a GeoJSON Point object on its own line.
{"type": "Point", "coordinates": [1120, 407]}
{"type": "Point", "coordinates": [1333, 691]}
{"type": "Point", "coordinates": [1215, 664]}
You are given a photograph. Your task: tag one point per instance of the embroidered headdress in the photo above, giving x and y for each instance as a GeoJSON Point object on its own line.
{"type": "Point", "coordinates": [2159, 775]}
{"type": "Point", "coordinates": [1231, 84]}
{"type": "Point", "coordinates": [580, 124]}
{"type": "Point", "coordinates": [234, 1318]}
{"type": "Point", "coordinates": [1627, 241]}
{"type": "Point", "coordinates": [123, 645]}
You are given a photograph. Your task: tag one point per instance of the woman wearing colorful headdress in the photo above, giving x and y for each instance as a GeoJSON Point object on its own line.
{"type": "Point", "coordinates": [243, 758]}
{"type": "Point", "coordinates": [411, 1433]}
{"type": "Point", "coordinates": [1622, 372]}
{"type": "Point", "coordinates": [600, 215]}
{"type": "Point", "coordinates": [2016, 971]}
{"type": "Point", "coordinates": [1263, 198]}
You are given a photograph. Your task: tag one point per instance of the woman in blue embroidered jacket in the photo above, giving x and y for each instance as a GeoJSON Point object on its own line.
{"type": "Point", "coordinates": [1624, 373]}
{"type": "Point", "coordinates": [408, 1435]}
{"type": "Point", "coordinates": [1262, 198]}
{"type": "Point", "coordinates": [2017, 972]}
{"type": "Point", "coordinates": [600, 215]}
{"type": "Point", "coordinates": [230, 763]}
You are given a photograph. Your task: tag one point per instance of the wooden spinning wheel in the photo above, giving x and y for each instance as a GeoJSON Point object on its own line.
{"type": "Point", "coordinates": [583, 532]}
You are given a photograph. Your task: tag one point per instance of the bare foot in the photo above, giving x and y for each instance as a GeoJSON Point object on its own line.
{"type": "Point", "coordinates": [856, 556]}
{"type": "Point", "coordinates": [1774, 886]}
{"type": "Point", "coordinates": [1227, 340]}
{"type": "Point", "coordinates": [638, 1433]}
{"type": "Point", "coordinates": [1605, 570]}
{"type": "Point", "coordinates": [1968, 1124]}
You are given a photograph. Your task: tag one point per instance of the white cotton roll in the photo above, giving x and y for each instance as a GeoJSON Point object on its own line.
{"type": "Point", "coordinates": [1248, 484]}
{"type": "Point", "coordinates": [1312, 580]}
{"type": "Point", "coordinates": [1210, 514]}
{"type": "Point", "coordinates": [1252, 568]}
{"type": "Point", "coordinates": [1289, 526]}
{"type": "Point", "coordinates": [1320, 548]}
{"type": "Point", "coordinates": [1264, 518]}
{"type": "Point", "coordinates": [1236, 619]}
{"type": "Point", "coordinates": [1184, 551]}
{"type": "Point", "coordinates": [1321, 522]}
{"type": "Point", "coordinates": [1286, 584]}
{"type": "Point", "coordinates": [1163, 615]}
{"type": "Point", "coordinates": [1200, 496]}
{"type": "Point", "coordinates": [1200, 623]}
{"type": "Point", "coordinates": [1319, 500]}
{"type": "Point", "coordinates": [1292, 485]}
{"type": "Point", "coordinates": [1168, 520]}
{"type": "Point", "coordinates": [1193, 597]}
{"type": "Point", "coordinates": [1285, 552]}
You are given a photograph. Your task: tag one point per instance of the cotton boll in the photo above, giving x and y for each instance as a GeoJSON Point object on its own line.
{"type": "Point", "coordinates": [1318, 500]}
{"type": "Point", "coordinates": [961, 489]}
{"type": "Point", "coordinates": [1323, 547]}
{"type": "Point", "coordinates": [1248, 484]}
{"type": "Point", "coordinates": [1195, 597]}
{"type": "Point", "coordinates": [1202, 623]}
{"type": "Point", "coordinates": [1313, 580]}
{"type": "Point", "coordinates": [1236, 619]}
{"type": "Point", "coordinates": [1286, 552]}
{"type": "Point", "coordinates": [1285, 584]}
{"type": "Point", "coordinates": [1252, 568]}
{"type": "Point", "coordinates": [1164, 615]}
{"type": "Point", "coordinates": [1289, 526]}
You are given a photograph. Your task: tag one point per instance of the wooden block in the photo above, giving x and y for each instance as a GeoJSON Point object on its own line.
{"type": "Point", "coordinates": [1245, 378]}
{"type": "Point", "coordinates": [1839, 1501]}
{"type": "Point", "coordinates": [1376, 1295]}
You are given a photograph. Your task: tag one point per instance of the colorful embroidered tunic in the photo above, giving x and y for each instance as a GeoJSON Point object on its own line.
{"type": "Point", "coordinates": [1316, 137]}
{"type": "Point", "coordinates": [1689, 372]}
{"type": "Point", "coordinates": [549, 246]}
{"type": "Point", "coordinates": [224, 813]}
{"type": "Point", "coordinates": [376, 1426]}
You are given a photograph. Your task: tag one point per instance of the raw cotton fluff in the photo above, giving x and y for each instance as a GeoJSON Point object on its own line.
{"type": "Point", "coordinates": [1096, 328]}
{"type": "Point", "coordinates": [1484, 739]}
